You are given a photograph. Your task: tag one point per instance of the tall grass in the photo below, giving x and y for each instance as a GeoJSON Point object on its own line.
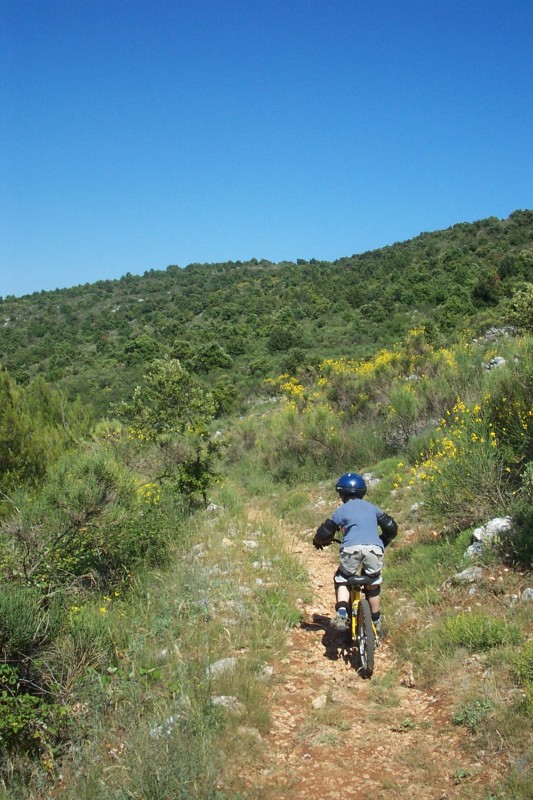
{"type": "Point", "coordinates": [143, 668]}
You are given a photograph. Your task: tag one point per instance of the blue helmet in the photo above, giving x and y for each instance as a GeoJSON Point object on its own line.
{"type": "Point", "coordinates": [351, 484]}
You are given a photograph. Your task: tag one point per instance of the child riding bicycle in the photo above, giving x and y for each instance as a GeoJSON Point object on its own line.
{"type": "Point", "coordinates": [362, 546]}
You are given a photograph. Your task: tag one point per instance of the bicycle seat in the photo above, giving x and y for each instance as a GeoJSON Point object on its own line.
{"type": "Point", "coordinates": [359, 580]}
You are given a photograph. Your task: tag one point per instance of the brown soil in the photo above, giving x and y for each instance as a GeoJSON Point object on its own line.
{"type": "Point", "coordinates": [337, 735]}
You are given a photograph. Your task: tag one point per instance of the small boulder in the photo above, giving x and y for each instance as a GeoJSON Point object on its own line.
{"type": "Point", "coordinates": [474, 550]}
{"type": "Point", "coordinates": [492, 529]}
{"type": "Point", "coordinates": [469, 575]}
{"type": "Point", "coordinates": [319, 702]}
{"type": "Point", "coordinates": [229, 702]}
{"type": "Point", "coordinates": [222, 666]}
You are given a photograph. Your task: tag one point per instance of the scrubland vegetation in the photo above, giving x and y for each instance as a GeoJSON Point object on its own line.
{"type": "Point", "coordinates": [145, 582]}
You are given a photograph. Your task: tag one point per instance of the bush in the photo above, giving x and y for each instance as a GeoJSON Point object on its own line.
{"type": "Point", "coordinates": [25, 621]}
{"type": "Point", "coordinates": [463, 475]}
{"type": "Point", "coordinates": [89, 520]}
{"type": "Point", "coordinates": [472, 714]}
{"type": "Point", "coordinates": [521, 314]}
{"type": "Point", "coordinates": [315, 443]}
{"type": "Point", "coordinates": [28, 721]}
{"type": "Point", "coordinates": [518, 542]}
{"type": "Point", "coordinates": [509, 408]}
{"type": "Point", "coordinates": [86, 644]}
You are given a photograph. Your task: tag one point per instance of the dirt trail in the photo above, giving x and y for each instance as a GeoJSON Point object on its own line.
{"type": "Point", "coordinates": [335, 734]}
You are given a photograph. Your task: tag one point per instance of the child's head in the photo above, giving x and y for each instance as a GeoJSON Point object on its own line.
{"type": "Point", "coordinates": [351, 485]}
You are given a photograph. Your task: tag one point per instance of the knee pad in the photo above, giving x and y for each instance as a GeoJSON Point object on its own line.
{"type": "Point", "coordinates": [372, 591]}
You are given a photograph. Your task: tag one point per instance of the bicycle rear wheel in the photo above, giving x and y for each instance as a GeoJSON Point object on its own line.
{"type": "Point", "coordinates": [366, 642]}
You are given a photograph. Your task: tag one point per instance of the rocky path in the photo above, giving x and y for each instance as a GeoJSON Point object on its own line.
{"type": "Point", "coordinates": [337, 735]}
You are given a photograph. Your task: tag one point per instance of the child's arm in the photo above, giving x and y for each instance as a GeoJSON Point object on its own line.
{"type": "Point", "coordinates": [389, 528]}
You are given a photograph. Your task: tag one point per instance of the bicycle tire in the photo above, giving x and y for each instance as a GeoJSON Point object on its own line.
{"type": "Point", "coordinates": [366, 641]}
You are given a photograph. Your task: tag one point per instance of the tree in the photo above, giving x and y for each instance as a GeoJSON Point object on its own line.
{"type": "Point", "coordinates": [36, 425]}
{"type": "Point", "coordinates": [170, 414]}
{"type": "Point", "coordinates": [521, 314]}
{"type": "Point", "coordinates": [210, 356]}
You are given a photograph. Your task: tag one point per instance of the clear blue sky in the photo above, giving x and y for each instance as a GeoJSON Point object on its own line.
{"type": "Point", "coordinates": [138, 134]}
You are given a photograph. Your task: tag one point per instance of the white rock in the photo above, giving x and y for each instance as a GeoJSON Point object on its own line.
{"type": "Point", "coordinates": [492, 529]}
{"type": "Point", "coordinates": [222, 666]}
{"type": "Point", "coordinates": [250, 544]}
{"type": "Point", "coordinates": [267, 672]}
{"type": "Point", "coordinates": [229, 702]}
{"type": "Point", "coordinates": [474, 550]}
{"type": "Point", "coordinates": [470, 575]}
{"type": "Point", "coordinates": [370, 479]}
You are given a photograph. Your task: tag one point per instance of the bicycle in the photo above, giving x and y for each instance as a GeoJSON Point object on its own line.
{"type": "Point", "coordinates": [363, 637]}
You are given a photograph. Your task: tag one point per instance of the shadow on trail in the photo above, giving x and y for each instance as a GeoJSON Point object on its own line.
{"type": "Point", "coordinates": [336, 644]}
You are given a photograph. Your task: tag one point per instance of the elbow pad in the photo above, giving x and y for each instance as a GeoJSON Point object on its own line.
{"type": "Point", "coordinates": [389, 529]}
{"type": "Point", "coordinates": [325, 533]}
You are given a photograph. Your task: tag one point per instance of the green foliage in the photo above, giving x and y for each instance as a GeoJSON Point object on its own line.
{"type": "Point", "coordinates": [313, 444]}
{"type": "Point", "coordinates": [478, 458]}
{"type": "Point", "coordinates": [403, 414]}
{"type": "Point", "coordinates": [87, 520]}
{"type": "Point", "coordinates": [26, 620]}
{"type": "Point", "coordinates": [95, 340]}
{"type": "Point", "coordinates": [85, 645]}
{"type": "Point", "coordinates": [36, 425]}
{"type": "Point", "coordinates": [478, 632]}
{"type": "Point", "coordinates": [472, 714]}
{"type": "Point", "coordinates": [468, 488]}
{"type": "Point", "coordinates": [510, 408]}
{"type": "Point", "coordinates": [170, 414]}
{"type": "Point", "coordinates": [142, 349]}
{"type": "Point", "coordinates": [26, 720]}
{"type": "Point", "coordinates": [521, 312]}
{"type": "Point", "coordinates": [210, 356]}
{"type": "Point", "coordinates": [169, 401]}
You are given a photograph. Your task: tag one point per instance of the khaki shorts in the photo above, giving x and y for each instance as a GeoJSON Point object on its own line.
{"type": "Point", "coordinates": [367, 557]}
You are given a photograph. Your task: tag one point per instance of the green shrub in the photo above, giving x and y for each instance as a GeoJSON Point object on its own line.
{"type": "Point", "coordinates": [472, 714]}
{"type": "Point", "coordinates": [28, 721]}
{"type": "Point", "coordinates": [25, 621]}
{"type": "Point", "coordinates": [85, 645]}
{"type": "Point", "coordinates": [464, 480]}
{"type": "Point", "coordinates": [509, 409]}
{"type": "Point", "coordinates": [521, 313]}
{"type": "Point", "coordinates": [91, 519]}
{"type": "Point", "coordinates": [518, 541]}
{"type": "Point", "coordinates": [315, 443]}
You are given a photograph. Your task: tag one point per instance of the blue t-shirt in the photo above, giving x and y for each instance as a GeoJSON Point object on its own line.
{"type": "Point", "coordinates": [358, 520]}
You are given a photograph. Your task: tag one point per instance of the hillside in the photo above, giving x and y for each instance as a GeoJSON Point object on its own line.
{"type": "Point", "coordinates": [164, 619]}
{"type": "Point", "coordinates": [235, 323]}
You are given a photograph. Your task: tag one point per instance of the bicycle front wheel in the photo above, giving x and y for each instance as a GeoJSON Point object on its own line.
{"type": "Point", "coordinates": [365, 638]}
